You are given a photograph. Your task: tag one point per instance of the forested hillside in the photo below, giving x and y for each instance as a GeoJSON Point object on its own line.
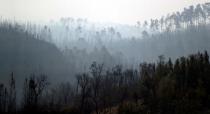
{"type": "Point", "coordinates": [24, 54]}
{"type": "Point", "coordinates": [175, 34]}
{"type": "Point", "coordinates": [74, 66]}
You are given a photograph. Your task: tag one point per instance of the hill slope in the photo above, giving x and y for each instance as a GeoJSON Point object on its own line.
{"type": "Point", "coordinates": [23, 55]}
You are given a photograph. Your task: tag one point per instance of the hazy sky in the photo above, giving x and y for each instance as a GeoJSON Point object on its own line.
{"type": "Point", "coordinates": [117, 11]}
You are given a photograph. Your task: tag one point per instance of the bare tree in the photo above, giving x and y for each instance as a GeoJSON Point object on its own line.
{"type": "Point", "coordinates": [33, 89]}
{"type": "Point", "coordinates": [96, 71]}
{"type": "Point", "coordinates": [83, 88]}
{"type": "Point", "coordinates": [12, 95]}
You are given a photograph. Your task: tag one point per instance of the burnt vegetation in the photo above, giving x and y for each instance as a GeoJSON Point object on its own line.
{"type": "Point", "coordinates": [51, 76]}
{"type": "Point", "coordinates": [164, 87]}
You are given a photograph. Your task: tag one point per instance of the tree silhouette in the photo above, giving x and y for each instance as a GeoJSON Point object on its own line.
{"type": "Point", "coordinates": [12, 95]}
{"type": "Point", "coordinates": [33, 89]}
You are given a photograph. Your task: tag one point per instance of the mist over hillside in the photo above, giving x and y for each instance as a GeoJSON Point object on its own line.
{"type": "Point", "coordinates": [174, 35]}
{"type": "Point", "coordinates": [78, 66]}
{"type": "Point", "coordinates": [23, 55]}
{"type": "Point", "coordinates": [76, 43]}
